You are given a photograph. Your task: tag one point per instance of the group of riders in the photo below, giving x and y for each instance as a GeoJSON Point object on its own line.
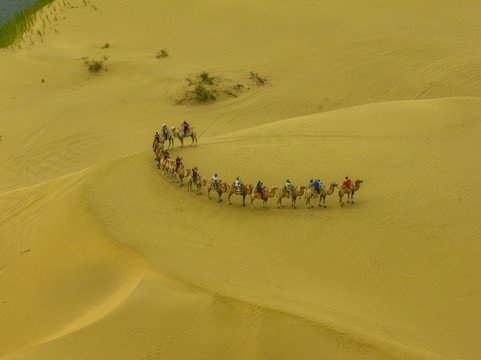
{"type": "Point", "coordinates": [165, 132]}
{"type": "Point", "coordinates": [261, 190]}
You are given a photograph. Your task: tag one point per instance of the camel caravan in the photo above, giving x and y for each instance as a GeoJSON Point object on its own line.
{"type": "Point", "coordinates": [177, 172]}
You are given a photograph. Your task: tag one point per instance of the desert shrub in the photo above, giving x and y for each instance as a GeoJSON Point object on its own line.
{"type": "Point", "coordinates": [203, 94]}
{"type": "Point", "coordinates": [162, 54]}
{"type": "Point", "coordinates": [204, 76]}
{"type": "Point", "coordinates": [94, 65]}
{"type": "Point", "coordinates": [106, 46]}
{"type": "Point", "coordinates": [257, 78]}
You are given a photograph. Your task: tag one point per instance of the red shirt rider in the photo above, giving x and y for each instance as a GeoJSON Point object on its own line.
{"type": "Point", "coordinates": [347, 183]}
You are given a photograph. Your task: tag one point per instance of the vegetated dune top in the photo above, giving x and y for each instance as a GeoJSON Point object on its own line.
{"type": "Point", "coordinates": [98, 248]}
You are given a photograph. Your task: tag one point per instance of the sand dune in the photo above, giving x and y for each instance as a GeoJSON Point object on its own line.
{"type": "Point", "coordinates": [101, 256]}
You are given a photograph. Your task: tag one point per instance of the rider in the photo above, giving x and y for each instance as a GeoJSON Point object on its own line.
{"type": "Point", "coordinates": [186, 127]}
{"type": "Point", "coordinates": [311, 182]}
{"type": "Point", "coordinates": [215, 179]}
{"type": "Point", "coordinates": [289, 187]}
{"type": "Point", "coordinates": [178, 162]}
{"type": "Point", "coordinates": [165, 130]}
{"type": "Point", "coordinates": [317, 185]}
{"type": "Point", "coordinates": [237, 184]}
{"type": "Point", "coordinates": [156, 139]}
{"type": "Point", "coordinates": [166, 155]}
{"type": "Point", "coordinates": [194, 174]}
{"type": "Point", "coordinates": [347, 184]}
{"type": "Point", "coordinates": [260, 189]}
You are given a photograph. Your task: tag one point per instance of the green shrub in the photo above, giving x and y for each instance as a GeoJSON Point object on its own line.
{"type": "Point", "coordinates": [20, 24]}
{"type": "Point", "coordinates": [203, 94]}
{"type": "Point", "coordinates": [94, 65]}
{"type": "Point", "coordinates": [204, 76]}
{"type": "Point", "coordinates": [162, 54]}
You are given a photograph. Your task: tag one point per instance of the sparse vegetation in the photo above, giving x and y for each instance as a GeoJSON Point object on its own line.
{"type": "Point", "coordinates": [162, 54]}
{"type": "Point", "coordinates": [203, 94]}
{"type": "Point", "coordinates": [20, 24]}
{"type": "Point", "coordinates": [94, 65]}
{"type": "Point", "coordinates": [204, 76]}
{"type": "Point", "coordinates": [105, 46]}
{"type": "Point", "coordinates": [258, 79]}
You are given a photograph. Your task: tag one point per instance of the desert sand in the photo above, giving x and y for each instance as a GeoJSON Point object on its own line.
{"type": "Point", "coordinates": [103, 257]}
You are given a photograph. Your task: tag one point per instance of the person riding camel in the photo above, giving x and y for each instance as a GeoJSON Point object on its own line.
{"type": "Point", "coordinates": [186, 127]}
{"type": "Point", "coordinates": [289, 187]}
{"type": "Point", "coordinates": [156, 139]}
{"type": "Point", "coordinates": [347, 184]}
{"type": "Point", "coordinates": [317, 186]}
{"type": "Point", "coordinates": [311, 182]}
{"type": "Point", "coordinates": [178, 162]}
{"type": "Point", "coordinates": [165, 130]}
{"type": "Point", "coordinates": [166, 155]}
{"type": "Point", "coordinates": [194, 174]}
{"type": "Point", "coordinates": [260, 189]}
{"type": "Point", "coordinates": [237, 184]}
{"type": "Point", "coordinates": [215, 179]}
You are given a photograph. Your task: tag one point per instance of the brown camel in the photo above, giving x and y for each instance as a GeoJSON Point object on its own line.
{"type": "Point", "coordinates": [156, 145]}
{"type": "Point", "coordinates": [200, 181]}
{"type": "Point", "coordinates": [264, 197]}
{"type": "Point", "coordinates": [180, 171]}
{"type": "Point", "coordinates": [170, 137]}
{"type": "Point", "coordinates": [221, 188]}
{"type": "Point", "coordinates": [349, 192]}
{"type": "Point", "coordinates": [244, 190]}
{"type": "Point", "coordinates": [191, 132]}
{"type": "Point", "coordinates": [183, 173]}
{"type": "Point", "coordinates": [322, 194]}
{"type": "Point", "coordinates": [168, 166]}
{"type": "Point", "coordinates": [159, 156]}
{"type": "Point", "coordinates": [294, 195]}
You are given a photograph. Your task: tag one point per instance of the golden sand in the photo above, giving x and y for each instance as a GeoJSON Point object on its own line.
{"type": "Point", "coordinates": [103, 257]}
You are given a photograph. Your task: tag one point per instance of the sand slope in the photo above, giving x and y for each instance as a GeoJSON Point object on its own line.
{"type": "Point", "coordinates": [103, 257]}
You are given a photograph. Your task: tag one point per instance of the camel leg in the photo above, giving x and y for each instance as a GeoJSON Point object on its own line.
{"type": "Point", "coordinates": [220, 194]}
{"type": "Point", "coordinates": [228, 198]}
{"type": "Point", "coordinates": [243, 200]}
{"type": "Point", "coordinates": [208, 194]}
{"type": "Point", "coordinates": [352, 195]}
{"type": "Point", "coordinates": [279, 202]}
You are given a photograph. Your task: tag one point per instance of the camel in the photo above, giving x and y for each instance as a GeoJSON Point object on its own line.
{"type": "Point", "coordinates": [322, 194]}
{"type": "Point", "coordinates": [221, 188]}
{"type": "Point", "coordinates": [180, 134]}
{"type": "Point", "coordinates": [243, 191]}
{"type": "Point", "coordinates": [295, 194]}
{"type": "Point", "coordinates": [267, 194]}
{"type": "Point", "coordinates": [170, 137]}
{"type": "Point", "coordinates": [343, 190]}
{"type": "Point", "coordinates": [166, 165]}
{"type": "Point", "coordinates": [182, 172]}
{"type": "Point", "coordinates": [157, 144]}
{"type": "Point", "coordinates": [200, 181]}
